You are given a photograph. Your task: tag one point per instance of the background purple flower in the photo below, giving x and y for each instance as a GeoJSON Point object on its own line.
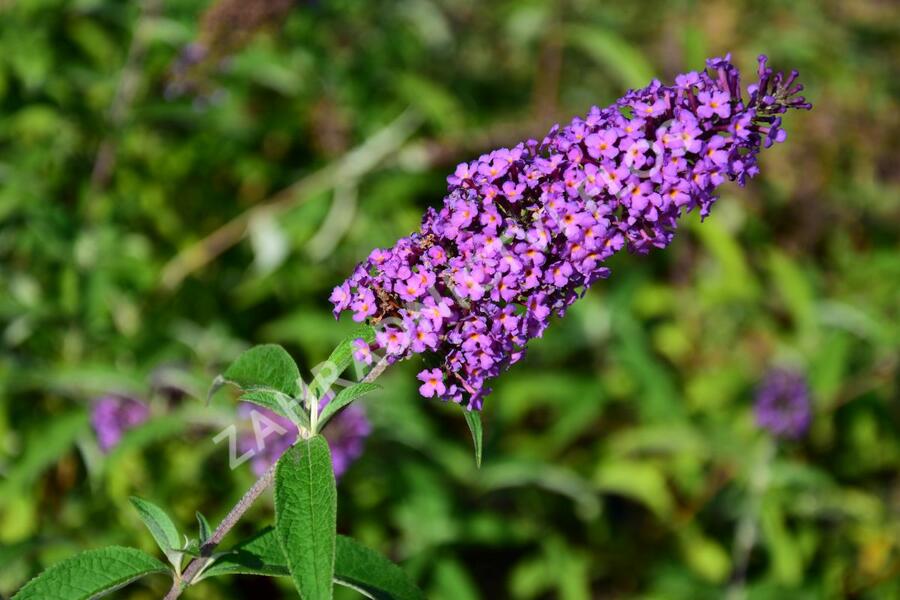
{"type": "Point", "coordinates": [783, 404]}
{"type": "Point", "coordinates": [530, 227]}
{"type": "Point", "coordinates": [113, 415]}
{"type": "Point", "coordinates": [269, 435]}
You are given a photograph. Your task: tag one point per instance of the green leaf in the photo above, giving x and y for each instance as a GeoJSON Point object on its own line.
{"type": "Point", "coordinates": [642, 482]}
{"type": "Point", "coordinates": [509, 473]}
{"type": "Point", "coordinates": [161, 528]}
{"type": "Point", "coordinates": [280, 404]}
{"type": "Point", "coordinates": [204, 528]}
{"type": "Point", "coordinates": [624, 59]}
{"type": "Point", "coordinates": [259, 555]}
{"type": "Point", "coordinates": [190, 546]}
{"type": "Point", "coordinates": [340, 359]}
{"type": "Point", "coordinates": [217, 384]}
{"type": "Point", "coordinates": [345, 397]}
{"type": "Point", "coordinates": [306, 516]}
{"type": "Point", "coordinates": [157, 429]}
{"type": "Point", "coordinates": [792, 285]}
{"type": "Point", "coordinates": [704, 555]}
{"type": "Point", "coordinates": [734, 279]}
{"type": "Point", "coordinates": [90, 574]}
{"type": "Point", "coordinates": [473, 418]}
{"type": "Point", "coordinates": [450, 580]}
{"type": "Point", "coordinates": [266, 367]}
{"type": "Point", "coordinates": [785, 554]}
{"type": "Point", "coordinates": [368, 571]}
{"type": "Point", "coordinates": [355, 566]}
{"type": "Point", "coordinates": [45, 445]}
{"type": "Point", "coordinates": [440, 107]}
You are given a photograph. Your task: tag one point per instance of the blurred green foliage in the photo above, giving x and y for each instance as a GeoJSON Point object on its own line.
{"type": "Point", "coordinates": [149, 235]}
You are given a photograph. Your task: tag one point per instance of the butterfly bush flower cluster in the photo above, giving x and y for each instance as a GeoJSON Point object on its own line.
{"type": "Point", "coordinates": [783, 406]}
{"type": "Point", "coordinates": [268, 435]}
{"type": "Point", "coordinates": [525, 231]}
{"type": "Point", "coordinates": [112, 415]}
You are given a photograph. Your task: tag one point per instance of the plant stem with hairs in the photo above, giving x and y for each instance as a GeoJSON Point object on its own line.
{"type": "Point", "coordinates": [197, 565]}
{"type": "Point", "coordinates": [230, 520]}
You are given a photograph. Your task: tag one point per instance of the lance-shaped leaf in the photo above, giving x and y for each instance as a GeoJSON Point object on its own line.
{"type": "Point", "coordinates": [280, 404]}
{"type": "Point", "coordinates": [355, 566]}
{"type": "Point", "coordinates": [161, 528]}
{"type": "Point", "coordinates": [340, 359]}
{"type": "Point", "coordinates": [90, 574]}
{"type": "Point", "coordinates": [306, 516]}
{"type": "Point", "coordinates": [204, 530]}
{"type": "Point", "coordinates": [259, 555]}
{"type": "Point", "coordinates": [343, 398]}
{"type": "Point", "coordinates": [473, 419]}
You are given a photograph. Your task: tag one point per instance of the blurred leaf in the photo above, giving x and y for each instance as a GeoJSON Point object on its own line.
{"type": "Point", "coordinates": [515, 473]}
{"type": "Point", "coordinates": [557, 567]}
{"type": "Point", "coordinates": [270, 245]}
{"type": "Point", "coordinates": [663, 439]}
{"type": "Point", "coordinates": [704, 555]}
{"type": "Point", "coordinates": [154, 430]}
{"type": "Point", "coordinates": [641, 482]}
{"type": "Point", "coordinates": [45, 445]}
{"type": "Point", "coordinates": [434, 102]}
{"type": "Point", "coordinates": [81, 380]}
{"type": "Point", "coordinates": [735, 279]}
{"type": "Point", "coordinates": [794, 289]}
{"type": "Point", "coordinates": [786, 558]}
{"type": "Point", "coordinates": [305, 516]}
{"type": "Point", "coordinates": [620, 57]}
{"type": "Point", "coordinates": [90, 574]}
{"type": "Point", "coordinates": [659, 398]}
{"type": "Point", "coordinates": [451, 582]}
{"type": "Point", "coordinates": [314, 331]}
{"type": "Point", "coordinates": [269, 70]}
{"type": "Point", "coordinates": [695, 44]}
{"type": "Point", "coordinates": [94, 42]}
{"type": "Point", "coordinates": [10, 553]}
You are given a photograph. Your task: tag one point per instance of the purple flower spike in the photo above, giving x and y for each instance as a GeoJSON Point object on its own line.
{"type": "Point", "coordinates": [783, 404]}
{"type": "Point", "coordinates": [113, 415]}
{"type": "Point", "coordinates": [523, 232]}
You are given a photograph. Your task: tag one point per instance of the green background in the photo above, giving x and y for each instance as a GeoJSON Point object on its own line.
{"type": "Point", "coordinates": [621, 459]}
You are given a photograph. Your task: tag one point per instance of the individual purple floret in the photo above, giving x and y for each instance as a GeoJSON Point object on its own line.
{"type": "Point", "coordinates": [113, 415]}
{"type": "Point", "coordinates": [783, 404]}
{"type": "Point", "coordinates": [268, 435]}
{"type": "Point", "coordinates": [524, 232]}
